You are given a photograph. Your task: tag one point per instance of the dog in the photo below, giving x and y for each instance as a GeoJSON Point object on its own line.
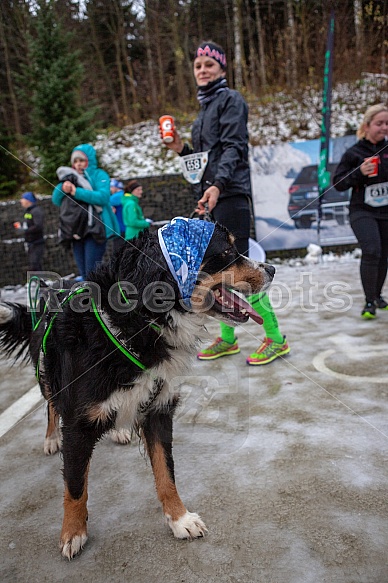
{"type": "Point", "coordinates": [107, 350]}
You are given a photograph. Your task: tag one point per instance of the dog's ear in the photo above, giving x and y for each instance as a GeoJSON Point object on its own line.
{"type": "Point", "coordinates": [220, 241]}
{"type": "Point", "coordinates": [221, 251]}
{"type": "Point", "coordinates": [141, 261]}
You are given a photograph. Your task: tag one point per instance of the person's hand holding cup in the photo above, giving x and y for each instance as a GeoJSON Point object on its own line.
{"type": "Point", "coordinates": [167, 128]}
{"type": "Point", "coordinates": [370, 166]}
{"type": "Point", "coordinates": [168, 133]}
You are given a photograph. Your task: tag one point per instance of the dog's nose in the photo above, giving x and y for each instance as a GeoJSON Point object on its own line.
{"type": "Point", "coordinates": [270, 270]}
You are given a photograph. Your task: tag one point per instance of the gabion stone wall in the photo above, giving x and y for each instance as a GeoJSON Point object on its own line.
{"type": "Point", "coordinates": [164, 197]}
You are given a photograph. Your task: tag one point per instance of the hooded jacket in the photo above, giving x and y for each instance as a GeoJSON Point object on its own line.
{"type": "Point", "coordinates": [115, 201]}
{"type": "Point", "coordinates": [99, 195]}
{"type": "Point", "coordinates": [133, 217]}
{"type": "Point", "coordinates": [221, 127]}
{"type": "Point", "coordinates": [349, 175]}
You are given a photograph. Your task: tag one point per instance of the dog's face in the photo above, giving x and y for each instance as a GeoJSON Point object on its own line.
{"type": "Point", "coordinates": [223, 272]}
{"type": "Point", "coordinates": [222, 277]}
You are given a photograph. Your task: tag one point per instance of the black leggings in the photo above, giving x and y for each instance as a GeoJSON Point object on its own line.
{"type": "Point", "coordinates": [372, 235]}
{"type": "Point", "coordinates": [234, 213]}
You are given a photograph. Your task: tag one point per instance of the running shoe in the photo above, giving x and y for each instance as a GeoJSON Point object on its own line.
{"type": "Point", "coordinates": [381, 304]}
{"type": "Point", "coordinates": [268, 351]}
{"type": "Point", "coordinates": [218, 348]}
{"type": "Point", "coordinates": [369, 311]}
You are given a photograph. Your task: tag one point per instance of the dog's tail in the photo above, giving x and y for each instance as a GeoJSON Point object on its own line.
{"type": "Point", "coordinates": [15, 329]}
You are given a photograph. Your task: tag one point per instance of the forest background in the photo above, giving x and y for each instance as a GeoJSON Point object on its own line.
{"type": "Point", "coordinates": [70, 69]}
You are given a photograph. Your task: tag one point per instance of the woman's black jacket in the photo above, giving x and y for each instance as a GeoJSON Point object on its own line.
{"type": "Point", "coordinates": [349, 175]}
{"type": "Point", "coordinates": [221, 127]}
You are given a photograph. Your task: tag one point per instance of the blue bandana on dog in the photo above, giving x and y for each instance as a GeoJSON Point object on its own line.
{"type": "Point", "coordinates": [184, 243]}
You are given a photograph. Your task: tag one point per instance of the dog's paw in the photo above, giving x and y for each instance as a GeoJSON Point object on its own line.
{"type": "Point", "coordinates": [121, 436]}
{"type": "Point", "coordinates": [6, 314]}
{"type": "Point", "coordinates": [53, 443]}
{"type": "Point", "coordinates": [70, 547]}
{"type": "Point", "coordinates": [189, 525]}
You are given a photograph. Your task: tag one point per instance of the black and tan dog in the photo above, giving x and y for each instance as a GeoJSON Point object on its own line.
{"type": "Point", "coordinates": [106, 352]}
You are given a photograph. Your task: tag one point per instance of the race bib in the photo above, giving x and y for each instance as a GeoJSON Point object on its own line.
{"type": "Point", "coordinates": [193, 166]}
{"type": "Point", "coordinates": [376, 194]}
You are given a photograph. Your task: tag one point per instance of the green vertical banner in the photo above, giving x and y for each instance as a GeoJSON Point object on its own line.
{"type": "Point", "coordinates": [323, 173]}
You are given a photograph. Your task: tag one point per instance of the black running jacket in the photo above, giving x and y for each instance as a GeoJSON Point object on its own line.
{"type": "Point", "coordinates": [349, 175]}
{"type": "Point", "coordinates": [221, 127]}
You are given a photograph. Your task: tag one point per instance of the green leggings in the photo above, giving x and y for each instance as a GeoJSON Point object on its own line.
{"type": "Point", "coordinates": [262, 305]}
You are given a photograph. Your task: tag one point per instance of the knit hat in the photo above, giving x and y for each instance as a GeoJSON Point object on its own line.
{"type": "Point", "coordinates": [29, 196]}
{"type": "Point", "coordinates": [78, 154]}
{"type": "Point", "coordinates": [210, 49]}
{"type": "Point", "coordinates": [117, 184]}
{"type": "Point", "coordinates": [184, 243]}
{"type": "Point", "coordinates": [133, 185]}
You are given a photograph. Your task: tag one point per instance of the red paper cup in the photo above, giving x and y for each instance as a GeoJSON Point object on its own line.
{"type": "Point", "coordinates": [166, 125]}
{"type": "Point", "coordinates": [375, 161]}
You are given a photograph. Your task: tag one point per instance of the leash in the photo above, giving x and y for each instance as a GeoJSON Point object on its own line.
{"type": "Point", "coordinates": [205, 217]}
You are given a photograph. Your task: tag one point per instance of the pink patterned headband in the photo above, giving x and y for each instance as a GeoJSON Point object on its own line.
{"type": "Point", "coordinates": [210, 50]}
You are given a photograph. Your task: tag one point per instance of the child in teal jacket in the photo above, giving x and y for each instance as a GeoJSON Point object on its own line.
{"type": "Point", "coordinates": [133, 217]}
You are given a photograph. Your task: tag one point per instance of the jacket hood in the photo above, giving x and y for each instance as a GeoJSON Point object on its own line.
{"type": "Point", "coordinates": [90, 152]}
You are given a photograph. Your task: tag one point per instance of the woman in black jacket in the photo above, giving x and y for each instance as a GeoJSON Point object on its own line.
{"type": "Point", "coordinates": [368, 209]}
{"type": "Point", "coordinates": [218, 166]}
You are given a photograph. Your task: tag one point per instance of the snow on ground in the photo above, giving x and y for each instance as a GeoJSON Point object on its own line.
{"type": "Point", "coordinates": [275, 123]}
{"type": "Point", "coordinates": [137, 151]}
{"type": "Point", "coordinates": [286, 463]}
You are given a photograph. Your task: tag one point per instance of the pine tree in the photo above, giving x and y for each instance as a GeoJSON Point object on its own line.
{"type": "Point", "coordinates": [58, 119]}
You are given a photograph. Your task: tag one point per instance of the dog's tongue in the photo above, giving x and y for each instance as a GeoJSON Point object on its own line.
{"type": "Point", "coordinates": [242, 304]}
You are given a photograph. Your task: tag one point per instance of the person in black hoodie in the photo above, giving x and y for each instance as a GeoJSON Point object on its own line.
{"type": "Point", "coordinates": [368, 208]}
{"type": "Point", "coordinates": [32, 229]}
{"type": "Point", "coordinates": [218, 166]}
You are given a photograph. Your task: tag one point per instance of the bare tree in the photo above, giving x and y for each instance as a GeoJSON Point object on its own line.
{"type": "Point", "coordinates": [292, 56]}
{"type": "Point", "coordinates": [229, 43]}
{"type": "Point", "coordinates": [137, 63]}
{"type": "Point", "coordinates": [178, 54]}
{"type": "Point", "coordinates": [253, 61]}
{"type": "Point", "coordinates": [150, 66]}
{"type": "Point", "coordinates": [104, 73]}
{"type": "Point", "coordinates": [238, 67]}
{"type": "Point", "coordinates": [260, 34]}
{"type": "Point", "coordinates": [125, 58]}
{"type": "Point", "coordinates": [358, 25]}
{"type": "Point", "coordinates": [384, 42]}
